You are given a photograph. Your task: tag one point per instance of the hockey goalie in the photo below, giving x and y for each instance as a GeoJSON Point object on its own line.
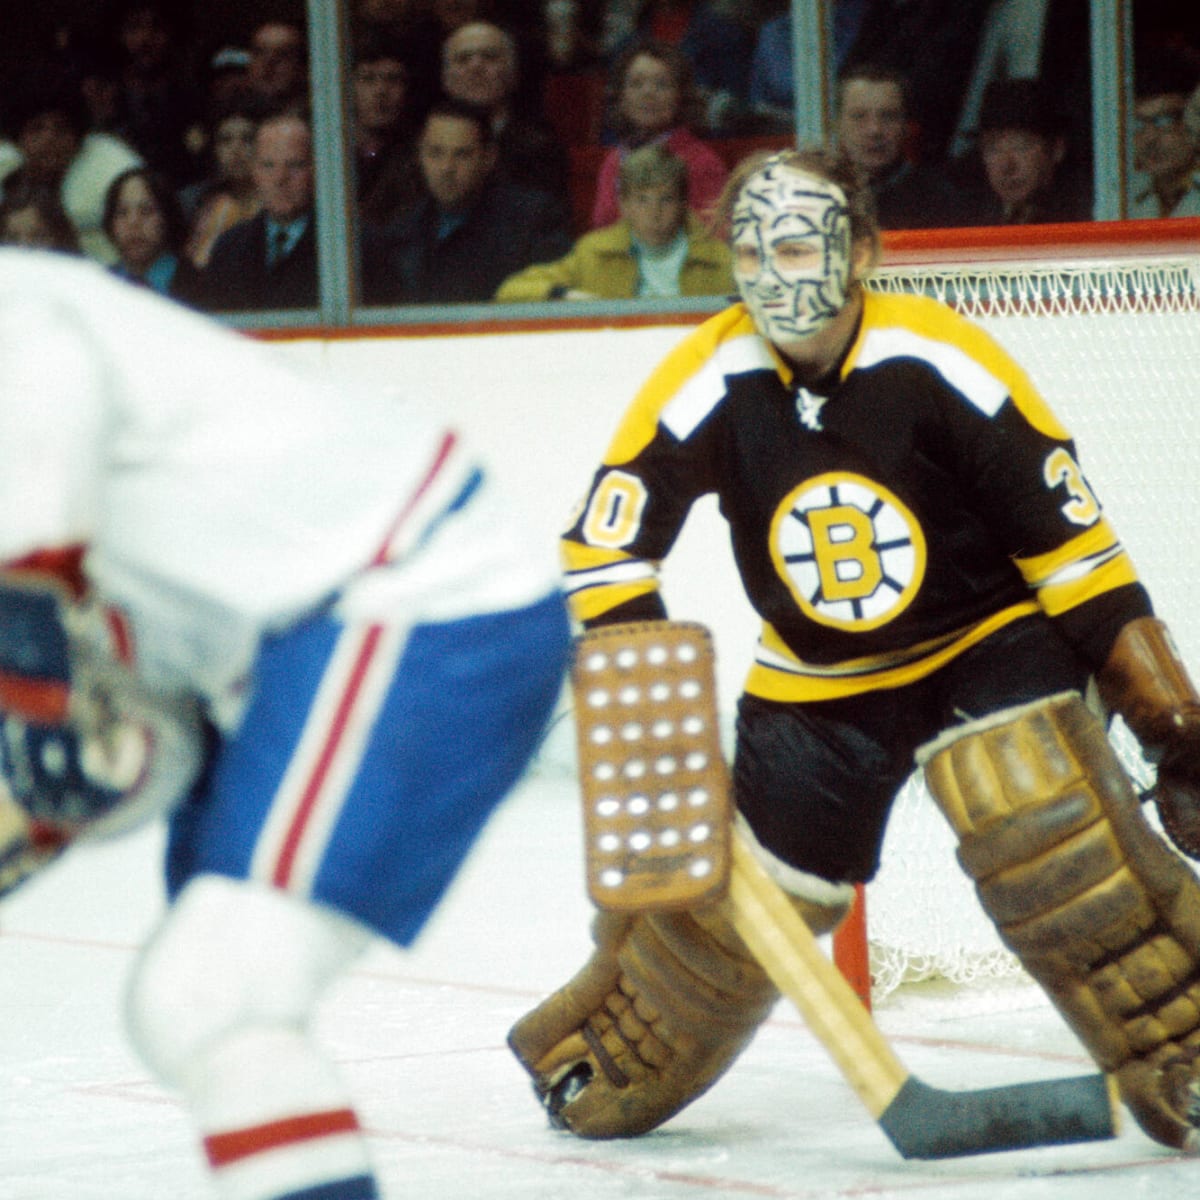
{"type": "Point", "coordinates": [938, 583]}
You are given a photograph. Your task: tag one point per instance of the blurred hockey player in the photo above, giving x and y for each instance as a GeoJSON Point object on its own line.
{"type": "Point", "coordinates": [938, 584]}
{"type": "Point", "coordinates": [289, 613]}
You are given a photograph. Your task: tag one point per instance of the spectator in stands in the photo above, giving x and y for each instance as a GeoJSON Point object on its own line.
{"type": "Point", "coordinates": [657, 248]}
{"type": "Point", "coordinates": [227, 76]}
{"type": "Point", "coordinates": [1022, 149]}
{"type": "Point", "coordinates": [629, 21]}
{"type": "Point", "coordinates": [10, 160]}
{"type": "Point", "coordinates": [34, 217]}
{"type": "Point", "coordinates": [145, 223]}
{"type": "Point", "coordinates": [720, 41]}
{"type": "Point", "coordinates": [277, 73]}
{"type": "Point", "coordinates": [270, 261]}
{"type": "Point", "coordinates": [386, 176]}
{"type": "Point", "coordinates": [48, 125]}
{"type": "Point", "coordinates": [472, 229]}
{"type": "Point", "coordinates": [480, 66]}
{"type": "Point", "coordinates": [932, 43]}
{"type": "Point", "coordinates": [1046, 40]}
{"type": "Point", "coordinates": [772, 78]}
{"type": "Point", "coordinates": [572, 32]}
{"type": "Point", "coordinates": [652, 98]}
{"type": "Point", "coordinates": [158, 105]}
{"type": "Point", "coordinates": [1166, 152]}
{"type": "Point", "coordinates": [422, 27]}
{"type": "Point", "coordinates": [96, 65]}
{"type": "Point", "coordinates": [772, 89]}
{"type": "Point", "coordinates": [454, 14]}
{"type": "Point", "coordinates": [228, 194]}
{"type": "Point", "coordinates": [872, 128]}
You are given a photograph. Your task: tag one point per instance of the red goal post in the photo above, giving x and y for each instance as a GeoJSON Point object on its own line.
{"type": "Point", "coordinates": [1105, 317]}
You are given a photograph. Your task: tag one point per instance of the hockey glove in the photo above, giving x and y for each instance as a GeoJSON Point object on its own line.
{"type": "Point", "coordinates": [81, 744]}
{"type": "Point", "coordinates": [26, 846]}
{"type": "Point", "coordinates": [1145, 681]}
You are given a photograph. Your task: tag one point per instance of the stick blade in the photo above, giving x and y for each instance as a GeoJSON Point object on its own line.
{"type": "Point", "coordinates": [927, 1122]}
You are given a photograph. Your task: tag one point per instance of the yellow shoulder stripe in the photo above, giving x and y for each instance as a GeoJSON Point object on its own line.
{"type": "Point", "coordinates": [690, 381]}
{"type": "Point", "coordinates": [925, 328]}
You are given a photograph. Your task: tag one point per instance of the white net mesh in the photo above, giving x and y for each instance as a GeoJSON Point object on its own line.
{"type": "Point", "coordinates": [1115, 349]}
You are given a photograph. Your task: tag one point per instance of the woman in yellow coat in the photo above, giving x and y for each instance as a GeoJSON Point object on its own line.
{"type": "Point", "coordinates": [657, 248]}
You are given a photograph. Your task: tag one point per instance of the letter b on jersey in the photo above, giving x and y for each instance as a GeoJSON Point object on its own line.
{"type": "Point", "coordinates": [850, 552]}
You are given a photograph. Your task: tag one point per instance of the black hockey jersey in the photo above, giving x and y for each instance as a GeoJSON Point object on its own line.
{"type": "Point", "coordinates": [882, 523]}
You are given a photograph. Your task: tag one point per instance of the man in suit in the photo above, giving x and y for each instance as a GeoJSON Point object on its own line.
{"type": "Point", "coordinates": [481, 65]}
{"type": "Point", "coordinates": [270, 260]}
{"type": "Point", "coordinates": [472, 228]}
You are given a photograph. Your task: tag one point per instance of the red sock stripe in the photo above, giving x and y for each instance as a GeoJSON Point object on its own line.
{"type": "Point", "coordinates": [226, 1148]}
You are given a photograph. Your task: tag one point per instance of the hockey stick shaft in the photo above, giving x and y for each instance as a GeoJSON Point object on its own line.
{"type": "Point", "coordinates": [920, 1121]}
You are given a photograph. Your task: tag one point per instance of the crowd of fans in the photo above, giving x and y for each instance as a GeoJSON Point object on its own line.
{"type": "Point", "coordinates": [493, 139]}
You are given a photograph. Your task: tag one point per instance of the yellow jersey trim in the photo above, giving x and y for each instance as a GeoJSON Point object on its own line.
{"type": "Point", "coordinates": [793, 681]}
{"type": "Point", "coordinates": [1040, 569]}
{"type": "Point", "coordinates": [1057, 598]}
{"type": "Point", "coordinates": [934, 332]}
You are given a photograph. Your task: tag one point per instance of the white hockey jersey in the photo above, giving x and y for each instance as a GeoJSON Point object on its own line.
{"type": "Point", "coordinates": [219, 489]}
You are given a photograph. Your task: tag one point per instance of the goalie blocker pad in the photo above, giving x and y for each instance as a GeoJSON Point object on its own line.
{"type": "Point", "coordinates": [671, 996]}
{"type": "Point", "coordinates": [1098, 909]}
{"type": "Point", "coordinates": [655, 786]}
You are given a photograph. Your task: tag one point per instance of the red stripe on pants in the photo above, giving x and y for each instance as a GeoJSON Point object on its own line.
{"type": "Point", "coordinates": [282, 874]}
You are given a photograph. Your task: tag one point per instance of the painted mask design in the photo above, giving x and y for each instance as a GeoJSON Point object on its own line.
{"type": "Point", "coordinates": [791, 251]}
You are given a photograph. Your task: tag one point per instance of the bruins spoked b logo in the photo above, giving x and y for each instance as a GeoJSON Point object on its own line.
{"type": "Point", "coordinates": [850, 552]}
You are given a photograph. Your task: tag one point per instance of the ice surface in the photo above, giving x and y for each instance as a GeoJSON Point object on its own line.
{"type": "Point", "coordinates": [420, 1038]}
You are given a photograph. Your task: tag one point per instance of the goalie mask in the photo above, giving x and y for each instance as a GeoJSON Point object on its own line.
{"type": "Point", "coordinates": [791, 251]}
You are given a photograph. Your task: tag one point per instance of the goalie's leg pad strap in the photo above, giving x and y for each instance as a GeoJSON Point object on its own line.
{"type": "Point", "coordinates": [661, 1010]}
{"type": "Point", "coordinates": [1101, 913]}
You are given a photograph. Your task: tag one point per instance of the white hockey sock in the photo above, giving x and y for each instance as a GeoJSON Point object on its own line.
{"type": "Point", "coordinates": [276, 1122]}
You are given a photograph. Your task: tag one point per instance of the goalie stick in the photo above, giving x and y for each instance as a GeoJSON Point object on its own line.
{"type": "Point", "coordinates": [921, 1121]}
{"type": "Point", "coordinates": [658, 829]}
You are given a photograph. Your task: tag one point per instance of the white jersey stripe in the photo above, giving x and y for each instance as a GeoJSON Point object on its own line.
{"type": "Point", "coordinates": [323, 814]}
{"type": "Point", "coordinates": [623, 572]}
{"type": "Point", "coordinates": [314, 787]}
{"type": "Point", "coordinates": [974, 382]}
{"type": "Point", "coordinates": [705, 390]}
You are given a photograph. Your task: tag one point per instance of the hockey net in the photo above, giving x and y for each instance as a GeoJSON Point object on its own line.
{"type": "Point", "coordinates": [1109, 330]}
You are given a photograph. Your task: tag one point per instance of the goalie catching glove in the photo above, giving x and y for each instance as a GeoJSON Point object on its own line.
{"type": "Point", "coordinates": [672, 995]}
{"type": "Point", "coordinates": [1145, 681]}
{"type": "Point", "coordinates": [84, 746]}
